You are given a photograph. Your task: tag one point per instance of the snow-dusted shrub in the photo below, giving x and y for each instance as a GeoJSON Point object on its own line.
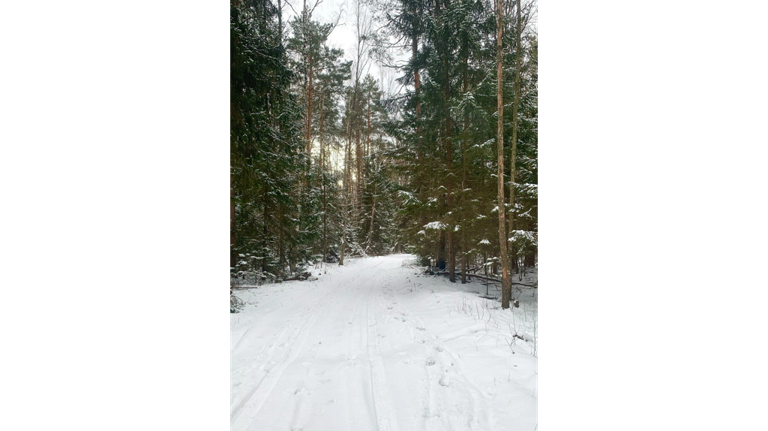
{"type": "Point", "coordinates": [235, 304]}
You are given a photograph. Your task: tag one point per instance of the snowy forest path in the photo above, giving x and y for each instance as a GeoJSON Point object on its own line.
{"type": "Point", "coordinates": [294, 349]}
{"type": "Point", "coordinates": [362, 348]}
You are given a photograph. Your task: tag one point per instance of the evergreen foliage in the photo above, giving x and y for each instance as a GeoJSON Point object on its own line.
{"type": "Point", "coordinates": [324, 164]}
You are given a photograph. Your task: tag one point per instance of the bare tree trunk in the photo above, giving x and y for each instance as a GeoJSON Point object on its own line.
{"type": "Point", "coordinates": [232, 259]}
{"type": "Point", "coordinates": [343, 234]}
{"type": "Point", "coordinates": [309, 111]}
{"type": "Point", "coordinates": [449, 183]}
{"type": "Point", "coordinates": [515, 104]}
{"type": "Point", "coordinates": [441, 250]}
{"type": "Point", "coordinates": [506, 286]}
{"type": "Point", "coordinates": [464, 88]}
{"type": "Point", "coordinates": [368, 131]}
{"type": "Point", "coordinates": [373, 212]}
{"type": "Point", "coordinates": [309, 105]}
{"type": "Point", "coordinates": [347, 161]}
{"type": "Point", "coordinates": [449, 189]}
{"type": "Point", "coordinates": [322, 180]}
{"type": "Point", "coordinates": [347, 188]}
{"type": "Point", "coordinates": [359, 159]}
{"type": "Point", "coordinates": [420, 149]}
{"type": "Point", "coordinates": [280, 250]}
{"type": "Point", "coordinates": [266, 229]}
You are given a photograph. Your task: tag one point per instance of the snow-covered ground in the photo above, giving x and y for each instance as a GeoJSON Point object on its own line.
{"type": "Point", "coordinates": [374, 345]}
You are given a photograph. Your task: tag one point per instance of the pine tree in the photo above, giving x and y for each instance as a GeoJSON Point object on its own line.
{"type": "Point", "coordinates": [264, 140]}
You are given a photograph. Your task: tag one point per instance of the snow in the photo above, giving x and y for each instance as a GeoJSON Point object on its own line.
{"type": "Point", "coordinates": [524, 235]}
{"type": "Point", "coordinates": [375, 345]}
{"type": "Point", "coordinates": [435, 225]}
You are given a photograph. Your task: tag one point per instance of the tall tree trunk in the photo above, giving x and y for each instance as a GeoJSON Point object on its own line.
{"type": "Point", "coordinates": [464, 88]}
{"type": "Point", "coordinates": [322, 179]}
{"type": "Point", "coordinates": [359, 154]}
{"type": "Point", "coordinates": [320, 136]}
{"type": "Point", "coordinates": [232, 257]}
{"type": "Point", "coordinates": [265, 232]}
{"type": "Point", "coordinates": [441, 250]}
{"type": "Point", "coordinates": [373, 213]}
{"type": "Point", "coordinates": [449, 199]}
{"type": "Point", "coordinates": [347, 161]}
{"type": "Point", "coordinates": [442, 50]}
{"type": "Point", "coordinates": [280, 19]}
{"type": "Point", "coordinates": [506, 286]}
{"type": "Point", "coordinates": [347, 187]}
{"type": "Point", "coordinates": [309, 113]}
{"type": "Point", "coordinates": [280, 248]}
{"type": "Point", "coordinates": [449, 183]}
{"type": "Point", "coordinates": [515, 104]}
{"type": "Point", "coordinates": [420, 147]}
{"type": "Point", "coordinates": [341, 252]}
{"type": "Point", "coordinates": [368, 131]}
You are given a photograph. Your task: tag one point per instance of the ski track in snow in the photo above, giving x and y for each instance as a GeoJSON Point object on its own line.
{"type": "Point", "coordinates": [385, 418]}
{"type": "Point", "coordinates": [366, 347]}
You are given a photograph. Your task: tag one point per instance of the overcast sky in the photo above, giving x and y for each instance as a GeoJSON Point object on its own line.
{"type": "Point", "coordinates": [343, 36]}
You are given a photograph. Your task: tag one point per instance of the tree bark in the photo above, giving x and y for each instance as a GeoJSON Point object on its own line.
{"type": "Point", "coordinates": [506, 287]}
{"type": "Point", "coordinates": [232, 258]}
{"type": "Point", "coordinates": [309, 110]}
{"type": "Point", "coordinates": [464, 88]}
{"type": "Point", "coordinates": [420, 147]}
{"type": "Point", "coordinates": [368, 131]}
{"type": "Point", "coordinates": [359, 154]}
{"type": "Point", "coordinates": [322, 180]}
{"type": "Point", "coordinates": [449, 191]}
{"type": "Point", "coordinates": [515, 104]}
{"type": "Point", "coordinates": [373, 212]}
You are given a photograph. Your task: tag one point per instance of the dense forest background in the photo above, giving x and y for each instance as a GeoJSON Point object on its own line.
{"type": "Point", "coordinates": [326, 165]}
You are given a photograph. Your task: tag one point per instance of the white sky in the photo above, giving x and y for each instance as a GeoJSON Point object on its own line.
{"type": "Point", "coordinates": [343, 35]}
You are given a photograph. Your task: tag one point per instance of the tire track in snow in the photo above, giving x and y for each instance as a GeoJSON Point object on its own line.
{"type": "Point", "coordinates": [242, 415]}
{"type": "Point", "coordinates": [249, 407]}
{"type": "Point", "coordinates": [244, 372]}
{"type": "Point", "coordinates": [382, 406]}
